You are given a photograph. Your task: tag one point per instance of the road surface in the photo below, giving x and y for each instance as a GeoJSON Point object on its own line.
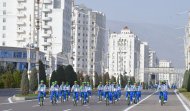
{"type": "Point", "coordinates": [149, 103]}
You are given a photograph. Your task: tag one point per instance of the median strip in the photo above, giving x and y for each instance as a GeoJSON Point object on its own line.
{"type": "Point", "coordinates": [184, 105]}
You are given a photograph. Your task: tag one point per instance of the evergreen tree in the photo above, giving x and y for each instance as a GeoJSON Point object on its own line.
{"type": "Point", "coordinates": [24, 84]}
{"type": "Point", "coordinates": [113, 79]}
{"type": "Point", "coordinates": [86, 78]}
{"type": "Point", "coordinates": [80, 78]}
{"type": "Point", "coordinates": [17, 78]}
{"type": "Point", "coordinates": [33, 80]}
{"type": "Point", "coordinates": [70, 75]}
{"type": "Point", "coordinates": [42, 73]}
{"type": "Point", "coordinates": [96, 79]}
{"type": "Point", "coordinates": [188, 82]}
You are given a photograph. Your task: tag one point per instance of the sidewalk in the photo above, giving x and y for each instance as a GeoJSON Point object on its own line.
{"type": "Point", "coordinates": [186, 100]}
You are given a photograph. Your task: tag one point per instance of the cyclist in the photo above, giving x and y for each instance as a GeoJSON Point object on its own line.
{"type": "Point", "coordinates": [139, 88]}
{"type": "Point", "coordinates": [41, 91]}
{"type": "Point", "coordinates": [89, 89]}
{"type": "Point", "coordinates": [115, 91]}
{"type": "Point", "coordinates": [56, 86]}
{"type": "Point", "coordinates": [75, 89]}
{"type": "Point", "coordinates": [106, 90]}
{"type": "Point", "coordinates": [100, 90]}
{"type": "Point", "coordinates": [52, 91]}
{"type": "Point", "coordinates": [128, 92]}
{"type": "Point", "coordinates": [83, 90]}
{"type": "Point", "coordinates": [63, 91]}
{"type": "Point", "coordinates": [110, 91]}
{"type": "Point", "coordinates": [119, 90]}
{"type": "Point", "coordinates": [162, 91]}
{"type": "Point", "coordinates": [68, 89]}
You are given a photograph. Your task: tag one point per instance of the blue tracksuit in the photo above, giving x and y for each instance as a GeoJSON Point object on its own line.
{"type": "Point", "coordinates": [75, 89]}
{"type": "Point", "coordinates": [41, 90]}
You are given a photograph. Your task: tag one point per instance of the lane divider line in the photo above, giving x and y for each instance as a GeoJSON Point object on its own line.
{"type": "Point", "coordinates": [67, 110]}
{"type": "Point", "coordinates": [127, 109]}
{"type": "Point", "coordinates": [8, 110]}
{"type": "Point", "coordinates": [9, 99]}
{"type": "Point", "coordinates": [184, 105]}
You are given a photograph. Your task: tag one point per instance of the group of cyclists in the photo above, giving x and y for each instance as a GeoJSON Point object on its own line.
{"type": "Point", "coordinates": [110, 92]}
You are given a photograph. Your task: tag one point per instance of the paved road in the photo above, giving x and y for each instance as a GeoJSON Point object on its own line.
{"type": "Point", "coordinates": [6, 93]}
{"type": "Point", "coordinates": [149, 104]}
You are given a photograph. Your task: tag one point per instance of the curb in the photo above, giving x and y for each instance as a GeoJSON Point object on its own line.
{"type": "Point", "coordinates": [16, 98]}
{"type": "Point", "coordinates": [184, 99]}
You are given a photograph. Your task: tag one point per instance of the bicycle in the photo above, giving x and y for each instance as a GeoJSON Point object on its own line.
{"type": "Point", "coordinates": [107, 99]}
{"type": "Point", "coordinates": [41, 99]}
{"type": "Point", "coordinates": [54, 100]}
{"type": "Point", "coordinates": [162, 98]}
{"type": "Point", "coordinates": [74, 99]}
{"type": "Point", "coordinates": [100, 95]}
{"type": "Point", "coordinates": [128, 98]}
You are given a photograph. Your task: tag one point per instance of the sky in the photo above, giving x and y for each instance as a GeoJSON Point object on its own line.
{"type": "Point", "coordinates": [151, 20]}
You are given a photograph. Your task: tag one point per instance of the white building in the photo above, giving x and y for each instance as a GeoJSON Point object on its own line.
{"type": "Point", "coordinates": [124, 51]}
{"type": "Point", "coordinates": [170, 78]}
{"type": "Point", "coordinates": [144, 62]}
{"type": "Point", "coordinates": [153, 63]}
{"type": "Point", "coordinates": [55, 36]}
{"type": "Point", "coordinates": [88, 28]}
{"type": "Point", "coordinates": [8, 22]}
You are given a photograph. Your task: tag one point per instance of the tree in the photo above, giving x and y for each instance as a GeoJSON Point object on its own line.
{"type": "Point", "coordinates": [185, 79]}
{"type": "Point", "coordinates": [33, 80]}
{"type": "Point", "coordinates": [100, 78]}
{"type": "Point", "coordinates": [105, 78]}
{"type": "Point", "coordinates": [96, 79]}
{"type": "Point", "coordinates": [70, 74]}
{"type": "Point", "coordinates": [42, 73]}
{"type": "Point", "coordinates": [188, 82]}
{"type": "Point", "coordinates": [87, 78]}
{"type": "Point", "coordinates": [17, 78]}
{"type": "Point", "coordinates": [8, 80]}
{"type": "Point", "coordinates": [24, 84]}
{"type": "Point", "coordinates": [113, 79]}
{"type": "Point", "coordinates": [80, 78]}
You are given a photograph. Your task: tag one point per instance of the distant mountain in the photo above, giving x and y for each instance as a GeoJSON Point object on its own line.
{"type": "Point", "coordinates": [164, 39]}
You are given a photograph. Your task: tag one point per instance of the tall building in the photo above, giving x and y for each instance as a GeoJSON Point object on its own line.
{"type": "Point", "coordinates": [124, 53]}
{"type": "Point", "coordinates": [8, 22]}
{"type": "Point", "coordinates": [88, 28]}
{"type": "Point", "coordinates": [144, 62]}
{"type": "Point", "coordinates": [153, 63]}
{"type": "Point", "coordinates": [55, 36]}
{"type": "Point", "coordinates": [165, 76]}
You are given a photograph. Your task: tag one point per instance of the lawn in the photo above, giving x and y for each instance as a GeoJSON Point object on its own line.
{"type": "Point", "coordinates": [184, 92]}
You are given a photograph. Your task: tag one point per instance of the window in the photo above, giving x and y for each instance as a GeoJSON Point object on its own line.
{"type": "Point", "coordinates": [4, 4]}
{"type": "Point", "coordinates": [45, 48]}
{"type": "Point", "coordinates": [78, 59]}
{"type": "Point", "coordinates": [3, 43]}
{"type": "Point", "coordinates": [3, 35]}
{"type": "Point", "coordinates": [79, 47]}
{"type": "Point", "coordinates": [4, 12]}
{"type": "Point", "coordinates": [78, 34]}
{"type": "Point", "coordinates": [4, 27]}
{"type": "Point", "coordinates": [4, 19]}
{"type": "Point", "coordinates": [78, 40]}
{"type": "Point", "coordinates": [45, 39]}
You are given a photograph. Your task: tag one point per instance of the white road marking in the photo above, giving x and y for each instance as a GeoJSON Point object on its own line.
{"type": "Point", "coordinates": [67, 110]}
{"type": "Point", "coordinates": [8, 110]}
{"type": "Point", "coordinates": [9, 99]}
{"type": "Point", "coordinates": [85, 105]}
{"type": "Point", "coordinates": [99, 101]}
{"type": "Point", "coordinates": [184, 105]}
{"type": "Point", "coordinates": [35, 106]}
{"type": "Point", "coordinates": [127, 109]}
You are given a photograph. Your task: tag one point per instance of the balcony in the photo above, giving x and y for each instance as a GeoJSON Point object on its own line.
{"type": "Point", "coordinates": [20, 31]}
{"type": "Point", "coordinates": [20, 23]}
{"type": "Point", "coordinates": [47, 1]}
{"type": "Point", "coordinates": [20, 39]}
{"type": "Point", "coordinates": [21, 15]}
{"type": "Point", "coordinates": [46, 19]}
{"type": "Point", "coordinates": [46, 27]}
{"type": "Point", "coordinates": [46, 10]}
{"type": "Point", "coordinates": [46, 44]}
{"type": "Point", "coordinates": [21, 7]}
{"type": "Point", "coordinates": [46, 35]}
{"type": "Point", "coordinates": [21, 0]}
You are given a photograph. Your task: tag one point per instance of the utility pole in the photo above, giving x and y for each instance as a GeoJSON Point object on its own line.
{"type": "Point", "coordinates": [37, 28]}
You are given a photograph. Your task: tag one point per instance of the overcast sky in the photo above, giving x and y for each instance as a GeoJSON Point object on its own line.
{"type": "Point", "coordinates": [169, 14]}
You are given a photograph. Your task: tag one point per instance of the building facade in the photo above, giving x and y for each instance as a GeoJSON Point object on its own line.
{"type": "Point", "coordinates": [144, 62]}
{"type": "Point", "coordinates": [18, 57]}
{"type": "Point", "coordinates": [8, 22]}
{"type": "Point", "coordinates": [124, 53]}
{"type": "Point", "coordinates": [88, 37]}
